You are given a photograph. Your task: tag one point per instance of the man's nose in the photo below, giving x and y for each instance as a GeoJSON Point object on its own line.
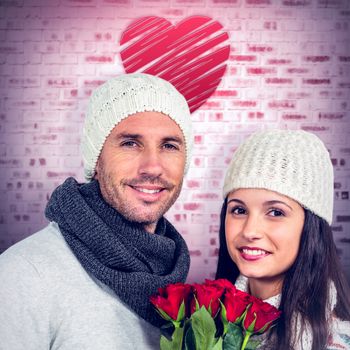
{"type": "Point", "coordinates": [151, 162]}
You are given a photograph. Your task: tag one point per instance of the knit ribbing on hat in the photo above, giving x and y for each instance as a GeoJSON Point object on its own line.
{"type": "Point", "coordinates": [123, 96]}
{"type": "Point", "coordinates": [293, 163]}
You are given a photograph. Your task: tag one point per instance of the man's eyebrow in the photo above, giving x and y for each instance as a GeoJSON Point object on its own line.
{"type": "Point", "coordinates": [124, 135]}
{"type": "Point", "coordinates": [176, 139]}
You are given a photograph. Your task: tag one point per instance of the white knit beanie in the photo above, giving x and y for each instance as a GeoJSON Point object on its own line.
{"type": "Point", "coordinates": [123, 96]}
{"type": "Point", "coordinates": [293, 163]}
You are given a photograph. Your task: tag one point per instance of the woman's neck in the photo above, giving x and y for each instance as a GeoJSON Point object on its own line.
{"type": "Point", "coordinates": [264, 288]}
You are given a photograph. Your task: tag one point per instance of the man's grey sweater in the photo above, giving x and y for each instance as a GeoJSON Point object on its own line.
{"type": "Point", "coordinates": [48, 301]}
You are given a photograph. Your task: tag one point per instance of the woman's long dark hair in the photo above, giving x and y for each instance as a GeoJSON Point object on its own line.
{"type": "Point", "coordinates": [305, 287]}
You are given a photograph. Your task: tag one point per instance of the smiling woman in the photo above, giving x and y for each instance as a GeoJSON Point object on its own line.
{"type": "Point", "coordinates": [263, 231]}
{"type": "Point", "coordinates": [276, 242]}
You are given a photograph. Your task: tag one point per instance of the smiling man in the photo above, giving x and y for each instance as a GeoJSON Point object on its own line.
{"type": "Point", "coordinates": [141, 167]}
{"type": "Point", "coordinates": [84, 281]}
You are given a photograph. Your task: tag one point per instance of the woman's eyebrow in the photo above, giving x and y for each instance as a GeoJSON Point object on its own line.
{"type": "Point", "coordinates": [235, 200]}
{"type": "Point", "coordinates": [267, 203]}
{"type": "Point", "coordinates": [277, 202]}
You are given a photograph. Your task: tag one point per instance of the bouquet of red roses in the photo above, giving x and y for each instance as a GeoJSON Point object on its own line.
{"type": "Point", "coordinates": [211, 316]}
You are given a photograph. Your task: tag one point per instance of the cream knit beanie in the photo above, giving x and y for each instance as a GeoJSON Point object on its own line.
{"type": "Point", "coordinates": [293, 163]}
{"type": "Point", "coordinates": [123, 96]}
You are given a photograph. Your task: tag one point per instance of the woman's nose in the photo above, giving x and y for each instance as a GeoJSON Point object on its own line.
{"type": "Point", "coordinates": [252, 229]}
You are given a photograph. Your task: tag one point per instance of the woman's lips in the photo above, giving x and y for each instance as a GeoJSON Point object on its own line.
{"type": "Point", "coordinates": [252, 254]}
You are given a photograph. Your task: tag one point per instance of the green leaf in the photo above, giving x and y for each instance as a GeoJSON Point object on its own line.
{"type": "Point", "coordinates": [250, 328]}
{"type": "Point", "coordinates": [234, 337]}
{"type": "Point", "coordinates": [218, 345]}
{"type": "Point", "coordinates": [181, 312]}
{"type": "Point", "coordinates": [176, 341]}
{"type": "Point", "coordinates": [197, 303]}
{"type": "Point", "coordinates": [209, 308]}
{"type": "Point", "coordinates": [164, 315]}
{"type": "Point", "coordinates": [263, 329]}
{"type": "Point", "coordinates": [204, 329]}
{"type": "Point", "coordinates": [252, 344]}
{"type": "Point", "coordinates": [224, 318]}
{"type": "Point", "coordinates": [166, 344]}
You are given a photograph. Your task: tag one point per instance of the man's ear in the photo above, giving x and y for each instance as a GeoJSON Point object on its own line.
{"type": "Point", "coordinates": [95, 177]}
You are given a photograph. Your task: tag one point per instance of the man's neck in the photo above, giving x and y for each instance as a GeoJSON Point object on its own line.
{"type": "Point", "coordinates": [150, 228]}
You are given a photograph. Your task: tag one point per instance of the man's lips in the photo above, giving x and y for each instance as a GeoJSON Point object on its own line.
{"type": "Point", "coordinates": [149, 183]}
{"type": "Point", "coordinates": [148, 189]}
{"type": "Point", "coordinates": [148, 193]}
{"type": "Point", "coordinates": [253, 253]}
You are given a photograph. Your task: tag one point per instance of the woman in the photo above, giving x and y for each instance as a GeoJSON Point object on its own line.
{"type": "Point", "coordinates": [276, 242]}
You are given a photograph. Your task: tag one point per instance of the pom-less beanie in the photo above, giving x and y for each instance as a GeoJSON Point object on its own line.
{"type": "Point", "coordinates": [123, 96]}
{"type": "Point", "coordinates": [293, 163]}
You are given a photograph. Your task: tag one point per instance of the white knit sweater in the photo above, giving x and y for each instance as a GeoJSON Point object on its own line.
{"type": "Point", "coordinates": [340, 337]}
{"type": "Point", "coordinates": [48, 301]}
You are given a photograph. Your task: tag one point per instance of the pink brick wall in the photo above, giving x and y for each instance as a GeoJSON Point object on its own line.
{"type": "Point", "coordinates": [289, 68]}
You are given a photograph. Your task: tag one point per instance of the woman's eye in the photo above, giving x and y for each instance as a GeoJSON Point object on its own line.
{"type": "Point", "coordinates": [238, 211]}
{"type": "Point", "coordinates": [276, 212]}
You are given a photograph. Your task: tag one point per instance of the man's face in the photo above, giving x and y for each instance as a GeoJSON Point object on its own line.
{"type": "Point", "coordinates": [141, 167]}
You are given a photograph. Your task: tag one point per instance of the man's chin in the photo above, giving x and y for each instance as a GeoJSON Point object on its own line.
{"type": "Point", "coordinates": [143, 213]}
{"type": "Point", "coordinates": [143, 218]}
{"type": "Point", "coordinates": [146, 220]}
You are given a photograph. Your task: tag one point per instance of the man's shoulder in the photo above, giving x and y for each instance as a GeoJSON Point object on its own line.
{"type": "Point", "coordinates": [43, 248]}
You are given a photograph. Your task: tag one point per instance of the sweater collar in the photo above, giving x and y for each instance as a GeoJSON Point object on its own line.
{"type": "Point", "coordinates": [242, 284]}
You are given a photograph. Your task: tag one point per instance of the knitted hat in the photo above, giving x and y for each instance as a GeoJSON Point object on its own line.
{"type": "Point", "coordinates": [293, 163]}
{"type": "Point", "coordinates": [123, 96]}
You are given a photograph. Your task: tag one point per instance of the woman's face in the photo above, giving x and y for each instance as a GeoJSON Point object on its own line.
{"type": "Point", "coordinates": [263, 231]}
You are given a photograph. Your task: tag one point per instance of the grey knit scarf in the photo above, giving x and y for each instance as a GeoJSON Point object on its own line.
{"type": "Point", "coordinates": [117, 252]}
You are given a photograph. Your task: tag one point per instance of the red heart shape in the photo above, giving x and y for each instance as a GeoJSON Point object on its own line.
{"type": "Point", "coordinates": [190, 55]}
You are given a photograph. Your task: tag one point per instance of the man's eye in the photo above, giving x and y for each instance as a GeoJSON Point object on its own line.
{"type": "Point", "coordinates": [129, 144]}
{"type": "Point", "coordinates": [170, 146]}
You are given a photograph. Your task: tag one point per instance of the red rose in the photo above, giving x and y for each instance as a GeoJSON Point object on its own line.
{"type": "Point", "coordinates": [170, 298]}
{"type": "Point", "coordinates": [221, 282]}
{"type": "Point", "coordinates": [260, 316]}
{"type": "Point", "coordinates": [208, 296]}
{"type": "Point", "coordinates": [235, 302]}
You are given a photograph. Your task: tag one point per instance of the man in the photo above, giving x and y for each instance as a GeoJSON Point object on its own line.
{"type": "Point", "coordinates": [84, 281]}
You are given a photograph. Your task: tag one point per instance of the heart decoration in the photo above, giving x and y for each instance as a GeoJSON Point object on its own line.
{"type": "Point", "coordinates": [191, 55]}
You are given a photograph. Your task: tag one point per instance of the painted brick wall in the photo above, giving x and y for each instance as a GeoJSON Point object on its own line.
{"type": "Point", "coordinates": [289, 68]}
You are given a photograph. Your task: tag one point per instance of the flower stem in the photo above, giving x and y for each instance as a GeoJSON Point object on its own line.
{"type": "Point", "coordinates": [246, 339]}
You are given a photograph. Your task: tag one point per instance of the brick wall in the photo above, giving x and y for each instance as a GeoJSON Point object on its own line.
{"type": "Point", "coordinates": [289, 67]}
